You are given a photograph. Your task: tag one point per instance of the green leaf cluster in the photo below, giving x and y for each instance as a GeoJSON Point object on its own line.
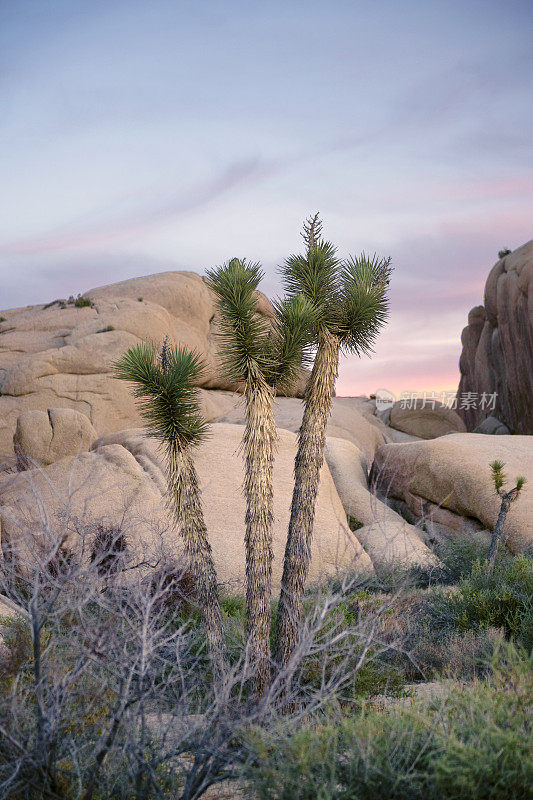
{"type": "Point", "coordinates": [254, 347]}
{"type": "Point", "coordinates": [350, 296]}
{"type": "Point", "coordinates": [502, 598]}
{"type": "Point", "coordinates": [166, 391]}
{"type": "Point", "coordinates": [500, 478]}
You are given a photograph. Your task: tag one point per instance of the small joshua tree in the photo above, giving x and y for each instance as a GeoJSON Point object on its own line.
{"type": "Point", "coordinates": [165, 384]}
{"type": "Point", "coordinates": [507, 497]}
{"type": "Point", "coordinates": [351, 304]}
{"type": "Point", "coordinates": [264, 356]}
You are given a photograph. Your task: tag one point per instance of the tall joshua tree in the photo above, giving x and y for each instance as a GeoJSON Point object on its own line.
{"type": "Point", "coordinates": [263, 356]}
{"type": "Point", "coordinates": [350, 299]}
{"type": "Point", "coordinates": [164, 383]}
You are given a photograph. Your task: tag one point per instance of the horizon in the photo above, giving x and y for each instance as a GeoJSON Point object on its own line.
{"type": "Point", "coordinates": [144, 138]}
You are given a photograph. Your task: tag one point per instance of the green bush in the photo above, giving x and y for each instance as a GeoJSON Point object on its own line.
{"type": "Point", "coordinates": [463, 655]}
{"type": "Point", "coordinates": [475, 745]}
{"type": "Point", "coordinates": [461, 553]}
{"type": "Point", "coordinates": [82, 302]}
{"type": "Point", "coordinates": [2, 319]}
{"type": "Point", "coordinates": [501, 599]}
{"type": "Point", "coordinates": [353, 523]}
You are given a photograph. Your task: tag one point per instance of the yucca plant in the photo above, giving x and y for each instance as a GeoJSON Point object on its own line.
{"type": "Point", "coordinates": [350, 299]}
{"type": "Point", "coordinates": [165, 383]}
{"type": "Point", "coordinates": [263, 356]}
{"type": "Point", "coordinates": [499, 480]}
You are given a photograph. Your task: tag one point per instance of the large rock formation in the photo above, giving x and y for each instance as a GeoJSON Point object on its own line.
{"type": "Point", "coordinates": [348, 419]}
{"type": "Point", "coordinates": [453, 473]}
{"type": "Point", "coordinates": [121, 483]}
{"type": "Point", "coordinates": [387, 538]}
{"type": "Point", "coordinates": [42, 437]}
{"type": "Point", "coordinates": [497, 352]}
{"type": "Point", "coordinates": [60, 355]}
{"type": "Point", "coordinates": [426, 419]}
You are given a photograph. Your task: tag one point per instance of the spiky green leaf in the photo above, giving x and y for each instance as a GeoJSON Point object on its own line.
{"type": "Point", "coordinates": [290, 341]}
{"type": "Point", "coordinates": [242, 331]}
{"type": "Point", "coordinates": [363, 304]}
{"type": "Point", "coordinates": [168, 396]}
{"type": "Point", "coordinates": [498, 476]}
{"type": "Point", "coordinates": [315, 276]}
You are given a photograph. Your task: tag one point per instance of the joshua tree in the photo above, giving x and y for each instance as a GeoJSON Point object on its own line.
{"type": "Point", "coordinates": [507, 497]}
{"type": "Point", "coordinates": [350, 299]}
{"type": "Point", "coordinates": [264, 356]}
{"type": "Point", "coordinates": [164, 383]}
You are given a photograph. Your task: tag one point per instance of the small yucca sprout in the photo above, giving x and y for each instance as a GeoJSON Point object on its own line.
{"type": "Point", "coordinates": [498, 475]}
{"type": "Point", "coordinates": [499, 479]}
{"type": "Point", "coordinates": [520, 483]}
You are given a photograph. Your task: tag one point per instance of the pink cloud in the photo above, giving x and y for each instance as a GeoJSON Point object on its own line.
{"type": "Point", "coordinates": [145, 217]}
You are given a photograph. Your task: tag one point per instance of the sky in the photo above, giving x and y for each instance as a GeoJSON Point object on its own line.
{"type": "Point", "coordinates": [139, 137]}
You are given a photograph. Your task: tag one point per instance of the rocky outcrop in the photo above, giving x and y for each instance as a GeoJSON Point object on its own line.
{"type": "Point", "coordinates": [121, 483]}
{"type": "Point", "coordinates": [492, 426]}
{"type": "Point", "coordinates": [348, 420]}
{"type": "Point", "coordinates": [388, 539]}
{"type": "Point", "coordinates": [61, 355]}
{"type": "Point", "coordinates": [42, 437]}
{"type": "Point", "coordinates": [497, 356]}
{"type": "Point", "coordinates": [453, 473]}
{"type": "Point", "coordinates": [425, 419]}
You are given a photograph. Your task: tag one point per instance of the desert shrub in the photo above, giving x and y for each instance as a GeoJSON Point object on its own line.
{"type": "Point", "coordinates": [426, 651]}
{"type": "Point", "coordinates": [81, 302]}
{"type": "Point", "coordinates": [353, 523]}
{"type": "Point", "coordinates": [502, 599]}
{"type": "Point", "coordinates": [108, 549]}
{"type": "Point", "coordinates": [474, 745]}
{"type": "Point", "coordinates": [374, 667]}
{"type": "Point", "coordinates": [463, 655]}
{"type": "Point", "coordinates": [2, 319]}
{"type": "Point", "coordinates": [15, 649]}
{"type": "Point", "coordinates": [172, 583]}
{"type": "Point", "coordinates": [459, 554]}
{"type": "Point", "coordinates": [234, 607]}
{"type": "Point", "coordinates": [379, 675]}
{"type": "Point", "coordinates": [110, 691]}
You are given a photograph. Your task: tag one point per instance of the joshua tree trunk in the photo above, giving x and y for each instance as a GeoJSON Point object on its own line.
{"type": "Point", "coordinates": [259, 444]}
{"type": "Point", "coordinates": [309, 459]}
{"type": "Point", "coordinates": [184, 500]}
{"type": "Point", "coordinates": [497, 534]}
